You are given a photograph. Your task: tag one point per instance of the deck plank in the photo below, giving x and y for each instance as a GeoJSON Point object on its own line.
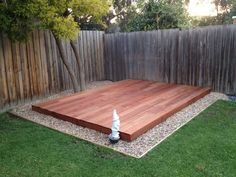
{"type": "Point", "coordinates": [140, 104]}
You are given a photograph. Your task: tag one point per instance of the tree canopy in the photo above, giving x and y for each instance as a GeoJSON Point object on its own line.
{"type": "Point", "coordinates": [158, 15]}
{"type": "Point", "coordinates": [19, 17]}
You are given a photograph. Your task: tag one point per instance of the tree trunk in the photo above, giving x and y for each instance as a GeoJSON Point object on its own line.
{"type": "Point", "coordinates": [67, 65]}
{"type": "Point", "coordinates": [80, 65]}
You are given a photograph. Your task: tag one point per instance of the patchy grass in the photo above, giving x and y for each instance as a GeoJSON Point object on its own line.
{"type": "Point", "coordinates": [204, 147]}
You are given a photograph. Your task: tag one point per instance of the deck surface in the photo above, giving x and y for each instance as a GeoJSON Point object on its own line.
{"type": "Point", "coordinates": [140, 104]}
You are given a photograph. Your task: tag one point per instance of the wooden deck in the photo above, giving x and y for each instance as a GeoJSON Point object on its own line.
{"type": "Point", "coordinates": [140, 104]}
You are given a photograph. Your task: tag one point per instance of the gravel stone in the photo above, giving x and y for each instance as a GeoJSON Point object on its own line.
{"type": "Point", "coordinates": [136, 148]}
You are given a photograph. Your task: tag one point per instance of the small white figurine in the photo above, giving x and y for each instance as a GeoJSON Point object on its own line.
{"type": "Point", "coordinates": [114, 136]}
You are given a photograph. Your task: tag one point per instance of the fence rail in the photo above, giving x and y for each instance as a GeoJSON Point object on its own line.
{"type": "Point", "coordinates": [202, 56]}
{"type": "Point", "coordinates": [34, 69]}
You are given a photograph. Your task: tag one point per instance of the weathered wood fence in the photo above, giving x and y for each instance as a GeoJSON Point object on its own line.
{"type": "Point", "coordinates": [202, 56]}
{"type": "Point", "coordinates": [34, 69]}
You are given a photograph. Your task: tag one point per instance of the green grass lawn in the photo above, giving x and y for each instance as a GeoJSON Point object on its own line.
{"type": "Point", "coordinates": [204, 147]}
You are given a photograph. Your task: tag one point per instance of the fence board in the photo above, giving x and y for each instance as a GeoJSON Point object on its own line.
{"type": "Point", "coordinates": [7, 52]}
{"type": "Point", "coordinates": [25, 71]}
{"type": "Point", "coordinates": [4, 97]}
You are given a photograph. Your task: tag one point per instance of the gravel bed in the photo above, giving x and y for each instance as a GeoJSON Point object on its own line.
{"type": "Point", "coordinates": [136, 148]}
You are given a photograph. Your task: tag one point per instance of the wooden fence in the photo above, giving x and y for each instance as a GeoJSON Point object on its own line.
{"type": "Point", "coordinates": [34, 69]}
{"type": "Point", "coordinates": [202, 56]}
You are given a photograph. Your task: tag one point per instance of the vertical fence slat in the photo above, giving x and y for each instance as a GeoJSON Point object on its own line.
{"type": "Point", "coordinates": [4, 97]}
{"type": "Point", "coordinates": [8, 59]}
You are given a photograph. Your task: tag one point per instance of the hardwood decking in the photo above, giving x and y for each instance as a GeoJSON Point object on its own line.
{"type": "Point", "coordinates": [140, 104]}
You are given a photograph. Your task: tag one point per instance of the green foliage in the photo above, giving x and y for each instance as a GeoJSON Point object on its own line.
{"type": "Point", "coordinates": [223, 5]}
{"type": "Point", "coordinates": [92, 8]}
{"type": "Point", "coordinates": [17, 18]}
{"type": "Point", "coordinates": [121, 12]}
{"type": "Point", "coordinates": [231, 12]}
{"type": "Point", "coordinates": [209, 20]}
{"type": "Point", "coordinates": [206, 146]}
{"type": "Point", "coordinates": [90, 13]}
{"type": "Point", "coordinates": [159, 15]}
{"type": "Point", "coordinates": [64, 28]}
{"type": "Point", "coordinates": [20, 17]}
